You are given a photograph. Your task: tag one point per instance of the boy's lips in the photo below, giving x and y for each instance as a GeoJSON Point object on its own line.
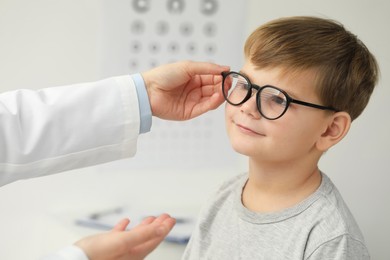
{"type": "Point", "coordinates": [247, 130]}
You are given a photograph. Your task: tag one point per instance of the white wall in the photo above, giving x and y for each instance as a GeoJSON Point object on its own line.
{"type": "Point", "coordinates": [45, 43]}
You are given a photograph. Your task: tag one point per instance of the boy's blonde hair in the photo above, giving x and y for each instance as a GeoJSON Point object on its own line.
{"type": "Point", "coordinates": [346, 71]}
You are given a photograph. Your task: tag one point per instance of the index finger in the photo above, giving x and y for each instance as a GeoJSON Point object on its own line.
{"type": "Point", "coordinates": [204, 68]}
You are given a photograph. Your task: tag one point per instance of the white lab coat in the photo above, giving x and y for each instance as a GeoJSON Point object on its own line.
{"type": "Point", "coordinates": [63, 128]}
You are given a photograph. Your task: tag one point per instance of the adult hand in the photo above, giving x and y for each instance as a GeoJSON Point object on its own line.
{"type": "Point", "coordinates": [184, 90]}
{"type": "Point", "coordinates": [119, 244]}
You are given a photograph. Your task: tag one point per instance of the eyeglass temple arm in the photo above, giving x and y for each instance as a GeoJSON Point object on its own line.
{"type": "Point", "coordinates": [312, 105]}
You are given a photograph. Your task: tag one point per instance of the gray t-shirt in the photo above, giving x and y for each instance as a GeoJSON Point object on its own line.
{"type": "Point", "coordinates": [320, 227]}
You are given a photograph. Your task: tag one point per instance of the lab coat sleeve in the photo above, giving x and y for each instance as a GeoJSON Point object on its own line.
{"type": "Point", "coordinates": [63, 128]}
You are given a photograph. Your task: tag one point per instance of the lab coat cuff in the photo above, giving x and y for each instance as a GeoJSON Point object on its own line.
{"type": "Point", "coordinates": [143, 103]}
{"type": "Point", "coordinates": [68, 253]}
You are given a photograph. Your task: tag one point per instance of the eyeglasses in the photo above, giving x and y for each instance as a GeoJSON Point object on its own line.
{"type": "Point", "coordinates": [271, 101]}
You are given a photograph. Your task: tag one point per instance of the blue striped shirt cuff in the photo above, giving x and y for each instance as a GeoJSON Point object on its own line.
{"type": "Point", "coordinates": [143, 102]}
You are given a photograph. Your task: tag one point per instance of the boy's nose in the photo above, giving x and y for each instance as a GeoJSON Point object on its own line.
{"type": "Point", "coordinates": [250, 107]}
{"type": "Point", "coordinates": [253, 92]}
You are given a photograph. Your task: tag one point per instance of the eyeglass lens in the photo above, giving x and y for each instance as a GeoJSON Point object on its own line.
{"type": "Point", "coordinates": [236, 88]}
{"type": "Point", "coordinates": [271, 102]}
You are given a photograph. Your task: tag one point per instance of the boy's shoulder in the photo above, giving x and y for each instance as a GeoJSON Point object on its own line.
{"type": "Point", "coordinates": [227, 192]}
{"type": "Point", "coordinates": [232, 184]}
{"type": "Point", "coordinates": [234, 181]}
{"type": "Point", "coordinates": [333, 205]}
{"type": "Point", "coordinates": [330, 215]}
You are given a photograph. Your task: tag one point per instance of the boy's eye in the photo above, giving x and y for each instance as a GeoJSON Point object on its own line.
{"type": "Point", "coordinates": [278, 100]}
{"type": "Point", "coordinates": [245, 85]}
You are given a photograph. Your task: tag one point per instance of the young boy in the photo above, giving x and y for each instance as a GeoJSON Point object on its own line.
{"type": "Point", "coordinates": [304, 80]}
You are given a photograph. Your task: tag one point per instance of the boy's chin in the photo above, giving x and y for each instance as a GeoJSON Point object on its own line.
{"type": "Point", "coordinates": [244, 150]}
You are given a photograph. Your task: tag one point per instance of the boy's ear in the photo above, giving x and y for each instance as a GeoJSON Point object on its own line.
{"type": "Point", "coordinates": [335, 131]}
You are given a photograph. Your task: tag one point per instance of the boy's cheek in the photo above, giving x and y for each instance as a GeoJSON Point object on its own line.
{"type": "Point", "coordinates": [230, 110]}
{"type": "Point", "coordinates": [229, 116]}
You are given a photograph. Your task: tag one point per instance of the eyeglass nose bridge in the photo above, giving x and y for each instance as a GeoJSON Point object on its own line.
{"type": "Point", "coordinates": [254, 89]}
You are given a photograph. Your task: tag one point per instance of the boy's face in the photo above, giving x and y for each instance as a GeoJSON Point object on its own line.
{"type": "Point", "coordinates": [286, 139]}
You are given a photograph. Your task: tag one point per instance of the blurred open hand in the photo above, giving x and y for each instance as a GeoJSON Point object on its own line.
{"type": "Point", "coordinates": [134, 244]}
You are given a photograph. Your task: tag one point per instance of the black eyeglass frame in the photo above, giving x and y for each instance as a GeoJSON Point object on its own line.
{"type": "Point", "coordinates": [259, 89]}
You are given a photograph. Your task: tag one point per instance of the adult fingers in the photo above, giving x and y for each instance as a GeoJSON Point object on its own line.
{"type": "Point", "coordinates": [210, 80]}
{"type": "Point", "coordinates": [147, 247]}
{"type": "Point", "coordinates": [207, 104]}
{"type": "Point", "coordinates": [121, 225]}
{"type": "Point", "coordinates": [147, 220]}
{"type": "Point", "coordinates": [150, 229]}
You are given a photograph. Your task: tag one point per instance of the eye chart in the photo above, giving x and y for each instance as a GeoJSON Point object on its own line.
{"type": "Point", "coordinates": [138, 35]}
